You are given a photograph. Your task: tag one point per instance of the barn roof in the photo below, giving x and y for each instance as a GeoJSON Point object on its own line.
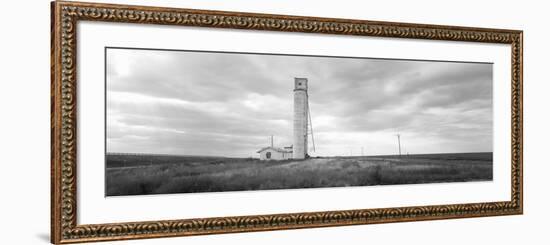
{"type": "Point", "coordinates": [275, 149]}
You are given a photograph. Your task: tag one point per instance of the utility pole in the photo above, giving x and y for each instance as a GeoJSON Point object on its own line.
{"type": "Point", "coordinates": [271, 140]}
{"type": "Point", "coordinates": [399, 143]}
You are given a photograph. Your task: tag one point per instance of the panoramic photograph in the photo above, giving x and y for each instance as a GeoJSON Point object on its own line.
{"type": "Point", "coordinates": [184, 121]}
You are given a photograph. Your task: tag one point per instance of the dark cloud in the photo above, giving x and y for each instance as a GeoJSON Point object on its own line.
{"type": "Point", "coordinates": [228, 104]}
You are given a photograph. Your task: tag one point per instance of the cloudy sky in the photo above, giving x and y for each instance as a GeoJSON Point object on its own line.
{"type": "Point", "coordinates": [226, 104]}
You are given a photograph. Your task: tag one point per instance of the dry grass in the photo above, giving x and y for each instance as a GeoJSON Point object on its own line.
{"type": "Point", "coordinates": [173, 174]}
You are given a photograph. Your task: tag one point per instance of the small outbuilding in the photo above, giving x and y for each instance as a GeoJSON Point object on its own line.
{"type": "Point", "coordinates": [274, 153]}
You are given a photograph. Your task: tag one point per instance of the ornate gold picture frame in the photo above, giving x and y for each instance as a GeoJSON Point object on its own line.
{"type": "Point", "coordinates": [64, 107]}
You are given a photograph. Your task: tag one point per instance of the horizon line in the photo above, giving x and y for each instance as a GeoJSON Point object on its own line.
{"type": "Point", "coordinates": [376, 155]}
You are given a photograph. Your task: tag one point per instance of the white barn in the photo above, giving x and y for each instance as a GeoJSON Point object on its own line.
{"type": "Point", "coordinates": [274, 153]}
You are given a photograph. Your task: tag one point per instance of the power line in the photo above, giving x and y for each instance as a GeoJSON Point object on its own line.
{"type": "Point", "coordinates": [310, 124]}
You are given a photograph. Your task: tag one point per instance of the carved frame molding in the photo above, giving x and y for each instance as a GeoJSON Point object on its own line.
{"type": "Point", "coordinates": [65, 16]}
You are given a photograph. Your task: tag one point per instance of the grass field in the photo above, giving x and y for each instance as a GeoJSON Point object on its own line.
{"type": "Point", "coordinates": [160, 174]}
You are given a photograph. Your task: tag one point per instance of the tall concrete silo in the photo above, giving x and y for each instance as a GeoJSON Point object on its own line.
{"type": "Point", "coordinates": [300, 118]}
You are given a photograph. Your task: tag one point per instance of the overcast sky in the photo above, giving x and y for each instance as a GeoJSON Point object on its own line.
{"type": "Point", "coordinates": [220, 104]}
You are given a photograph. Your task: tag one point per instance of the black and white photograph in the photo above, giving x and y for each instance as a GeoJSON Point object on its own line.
{"type": "Point", "coordinates": [186, 121]}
